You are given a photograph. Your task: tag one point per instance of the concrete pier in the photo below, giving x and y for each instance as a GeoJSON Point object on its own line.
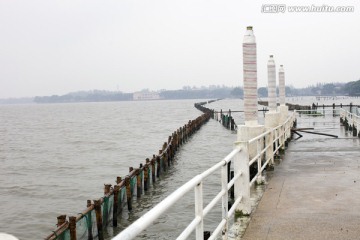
{"type": "Point", "coordinates": [314, 192]}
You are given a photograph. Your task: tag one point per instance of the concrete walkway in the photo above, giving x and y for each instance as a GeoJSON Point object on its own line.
{"type": "Point", "coordinates": [314, 193]}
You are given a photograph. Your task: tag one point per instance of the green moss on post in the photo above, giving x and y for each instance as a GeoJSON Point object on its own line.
{"type": "Point", "coordinates": [239, 214]}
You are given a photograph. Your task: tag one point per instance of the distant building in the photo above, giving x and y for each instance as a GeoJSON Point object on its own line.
{"type": "Point", "coordinates": [146, 95]}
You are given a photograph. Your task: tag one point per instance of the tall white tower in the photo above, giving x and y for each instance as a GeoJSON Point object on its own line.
{"type": "Point", "coordinates": [271, 84]}
{"type": "Point", "coordinates": [250, 77]}
{"type": "Point", "coordinates": [282, 85]}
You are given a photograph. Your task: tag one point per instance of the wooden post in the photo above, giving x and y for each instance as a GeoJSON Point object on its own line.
{"type": "Point", "coordinates": [138, 182]}
{"type": "Point", "coordinates": [146, 175]}
{"type": "Point", "coordinates": [153, 169]}
{"type": "Point", "coordinates": [61, 220]}
{"type": "Point", "coordinates": [164, 157]}
{"type": "Point", "coordinates": [118, 180]}
{"type": "Point", "coordinates": [128, 193]}
{"type": "Point", "coordinates": [158, 169]}
{"type": "Point", "coordinates": [72, 227]}
{"type": "Point", "coordinates": [115, 208]}
{"type": "Point", "coordinates": [97, 207]}
{"type": "Point", "coordinates": [107, 189]}
{"type": "Point", "coordinates": [90, 235]}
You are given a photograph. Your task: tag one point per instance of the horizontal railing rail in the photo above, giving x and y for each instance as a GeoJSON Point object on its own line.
{"type": "Point", "coordinates": [267, 144]}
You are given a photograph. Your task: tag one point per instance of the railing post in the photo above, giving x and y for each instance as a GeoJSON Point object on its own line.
{"type": "Point", "coordinates": [225, 200]}
{"type": "Point", "coordinates": [199, 211]}
{"type": "Point", "coordinates": [270, 149]}
{"type": "Point", "coordinates": [259, 179]}
{"type": "Point", "coordinates": [242, 184]}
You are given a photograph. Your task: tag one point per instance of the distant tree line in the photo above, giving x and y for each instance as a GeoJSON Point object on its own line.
{"type": "Point", "coordinates": [320, 89]}
{"type": "Point", "coordinates": [89, 96]}
{"type": "Point", "coordinates": [328, 89]}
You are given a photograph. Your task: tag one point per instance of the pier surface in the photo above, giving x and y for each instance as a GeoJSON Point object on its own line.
{"type": "Point", "coordinates": [314, 192]}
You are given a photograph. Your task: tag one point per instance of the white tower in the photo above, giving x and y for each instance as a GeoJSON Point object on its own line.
{"type": "Point", "coordinates": [250, 78]}
{"type": "Point", "coordinates": [282, 85]}
{"type": "Point", "coordinates": [271, 84]}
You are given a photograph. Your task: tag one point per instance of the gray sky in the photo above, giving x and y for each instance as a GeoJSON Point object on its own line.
{"type": "Point", "coordinates": [55, 47]}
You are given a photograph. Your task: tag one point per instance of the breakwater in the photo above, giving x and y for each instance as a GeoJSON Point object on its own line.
{"type": "Point", "coordinates": [103, 212]}
{"type": "Point", "coordinates": [224, 118]}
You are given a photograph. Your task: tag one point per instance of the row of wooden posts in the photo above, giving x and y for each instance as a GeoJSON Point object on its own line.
{"type": "Point", "coordinates": [225, 119]}
{"type": "Point", "coordinates": [148, 172]}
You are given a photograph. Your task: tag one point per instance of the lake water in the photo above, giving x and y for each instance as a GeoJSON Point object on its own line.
{"type": "Point", "coordinates": [56, 156]}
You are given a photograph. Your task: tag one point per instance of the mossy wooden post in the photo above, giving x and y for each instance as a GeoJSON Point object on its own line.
{"type": "Point", "coordinates": [159, 165]}
{"type": "Point", "coordinates": [115, 208]}
{"type": "Point", "coordinates": [61, 220]}
{"type": "Point", "coordinates": [180, 132]}
{"type": "Point", "coordinates": [186, 132]}
{"type": "Point", "coordinates": [170, 149]}
{"type": "Point", "coordinates": [334, 114]}
{"type": "Point", "coordinates": [189, 129]}
{"type": "Point", "coordinates": [138, 181]}
{"type": "Point", "coordinates": [90, 235]}
{"type": "Point", "coordinates": [160, 161]}
{"type": "Point", "coordinates": [176, 140]}
{"type": "Point", "coordinates": [107, 188]}
{"type": "Point", "coordinates": [128, 192]}
{"type": "Point", "coordinates": [153, 171]}
{"type": "Point", "coordinates": [146, 175]}
{"type": "Point", "coordinates": [72, 227]}
{"type": "Point", "coordinates": [118, 180]}
{"type": "Point", "coordinates": [165, 155]}
{"type": "Point", "coordinates": [171, 153]}
{"type": "Point", "coordinates": [97, 207]}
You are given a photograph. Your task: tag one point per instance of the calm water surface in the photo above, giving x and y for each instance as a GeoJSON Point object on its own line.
{"type": "Point", "coordinates": [56, 156]}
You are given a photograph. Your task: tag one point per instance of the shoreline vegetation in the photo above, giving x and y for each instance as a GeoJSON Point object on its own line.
{"type": "Point", "coordinates": [187, 92]}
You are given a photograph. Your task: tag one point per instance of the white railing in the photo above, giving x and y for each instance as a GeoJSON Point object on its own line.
{"type": "Point", "coordinates": [241, 182]}
{"type": "Point", "coordinates": [352, 119]}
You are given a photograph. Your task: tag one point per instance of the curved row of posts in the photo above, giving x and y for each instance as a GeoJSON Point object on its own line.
{"type": "Point", "coordinates": [103, 212]}
{"type": "Point", "coordinates": [225, 119]}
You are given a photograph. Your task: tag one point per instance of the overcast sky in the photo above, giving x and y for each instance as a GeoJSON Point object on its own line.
{"type": "Point", "coordinates": [56, 47]}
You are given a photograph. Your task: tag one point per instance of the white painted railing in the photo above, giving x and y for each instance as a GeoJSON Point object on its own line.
{"type": "Point", "coordinates": [352, 119]}
{"type": "Point", "coordinates": [267, 145]}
